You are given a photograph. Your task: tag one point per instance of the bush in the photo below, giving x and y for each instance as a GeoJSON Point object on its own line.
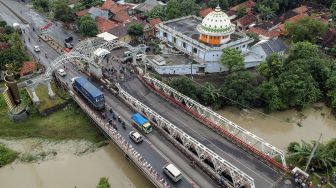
{"type": "Point", "coordinates": [6, 155]}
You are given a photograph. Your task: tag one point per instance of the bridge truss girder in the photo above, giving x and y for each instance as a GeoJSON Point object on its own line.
{"type": "Point", "coordinates": [239, 178]}
{"type": "Point", "coordinates": [247, 137]}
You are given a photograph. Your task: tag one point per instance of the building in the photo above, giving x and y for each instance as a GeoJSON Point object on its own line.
{"type": "Point", "coordinates": [246, 22]}
{"type": "Point", "coordinates": [28, 67]}
{"type": "Point", "coordinates": [202, 40]}
{"type": "Point", "coordinates": [146, 6]}
{"type": "Point", "coordinates": [266, 48]}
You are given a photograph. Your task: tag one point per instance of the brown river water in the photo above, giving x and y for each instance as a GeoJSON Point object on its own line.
{"type": "Point", "coordinates": [69, 170]}
{"type": "Point", "coordinates": [281, 128]}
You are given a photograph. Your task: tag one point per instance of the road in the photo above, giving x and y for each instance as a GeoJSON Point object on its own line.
{"type": "Point", "coordinates": [155, 149]}
{"type": "Point", "coordinates": [263, 175]}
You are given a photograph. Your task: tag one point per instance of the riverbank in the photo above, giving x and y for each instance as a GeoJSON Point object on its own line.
{"type": "Point", "coordinates": [68, 163]}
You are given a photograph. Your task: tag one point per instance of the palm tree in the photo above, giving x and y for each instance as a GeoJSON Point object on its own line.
{"type": "Point", "coordinates": [210, 94]}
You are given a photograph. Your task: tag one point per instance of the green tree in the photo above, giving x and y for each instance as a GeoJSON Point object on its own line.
{"type": "Point", "coordinates": [306, 29]}
{"type": "Point", "coordinates": [62, 11]}
{"type": "Point", "coordinates": [103, 183]}
{"type": "Point", "coordinates": [210, 94]}
{"type": "Point", "coordinates": [135, 29]}
{"type": "Point", "coordinates": [240, 87]}
{"type": "Point", "coordinates": [271, 96]}
{"type": "Point", "coordinates": [157, 12]}
{"type": "Point", "coordinates": [241, 11]}
{"type": "Point", "coordinates": [3, 23]}
{"type": "Point", "coordinates": [266, 13]}
{"type": "Point", "coordinates": [272, 67]}
{"type": "Point", "coordinates": [87, 26]}
{"type": "Point", "coordinates": [224, 4]}
{"type": "Point", "coordinates": [179, 8]}
{"type": "Point", "coordinates": [43, 5]}
{"type": "Point", "coordinates": [232, 59]}
{"type": "Point", "coordinates": [303, 50]}
{"type": "Point", "coordinates": [333, 12]}
{"type": "Point", "coordinates": [186, 86]}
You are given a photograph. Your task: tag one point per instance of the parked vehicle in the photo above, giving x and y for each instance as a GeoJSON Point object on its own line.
{"type": "Point", "coordinates": [91, 94]}
{"type": "Point", "coordinates": [61, 72]}
{"type": "Point", "coordinates": [135, 136]}
{"type": "Point", "coordinates": [17, 27]}
{"type": "Point", "coordinates": [142, 122]}
{"type": "Point", "coordinates": [172, 172]}
{"type": "Point", "coordinates": [68, 45]}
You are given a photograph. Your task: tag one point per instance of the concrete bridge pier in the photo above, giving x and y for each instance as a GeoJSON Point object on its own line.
{"type": "Point", "coordinates": [35, 98]}
{"type": "Point", "coordinates": [50, 91]}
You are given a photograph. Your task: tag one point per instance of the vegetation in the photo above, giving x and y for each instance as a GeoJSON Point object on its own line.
{"type": "Point", "coordinates": [42, 5]}
{"type": "Point", "coordinates": [6, 155]}
{"type": "Point", "coordinates": [13, 52]}
{"type": "Point", "coordinates": [322, 161]}
{"type": "Point", "coordinates": [279, 83]}
{"type": "Point", "coordinates": [232, 59]}
{"type": "Point", "coordinates": [174, 9]}
{"type": "Point", "coordinates": [103, 183]}
{"type": "Point", "coordinates": [87, 26]}
{"type": "Point", "coordinates": [306, 29]}
{"type": "Point", "coordinates": [62, 11]}
{"type": "Point", "coordinates": [135, 29]}
{"type": "Point", "coordinates": [70, 122]}
{"type": "Point", "coordinates": [241, 11]}
{"type": "Point", "coordinates": [333, 12]}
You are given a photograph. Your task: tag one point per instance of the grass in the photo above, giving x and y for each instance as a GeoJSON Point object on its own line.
{"type": "Point", "coordinates": [68, 123]}
{"type": "Point", "coordinates": [6, 155]}
{"type": "Point", "coordinates": [45, 102]}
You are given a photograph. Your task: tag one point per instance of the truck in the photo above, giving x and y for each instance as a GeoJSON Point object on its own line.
{"type": "Point", "coordinates": [89, 92]}
{"type": "Point", "coordinates": [141, 122]}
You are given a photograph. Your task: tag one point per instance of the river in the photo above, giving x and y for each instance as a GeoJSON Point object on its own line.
{"type": "Point", "coordinates": [281, 128]}
{"type": "Point", "coordinates": [69, 170]}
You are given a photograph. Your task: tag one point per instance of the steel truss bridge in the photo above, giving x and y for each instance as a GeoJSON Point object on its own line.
{"type": "Point", "coordinates": [83, 52]}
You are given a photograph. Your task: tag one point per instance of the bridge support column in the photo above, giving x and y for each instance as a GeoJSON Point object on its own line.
{"type": "Point", "coordinates": [35, 98]}
{"type": "Point", "coordinates": [50, 91]}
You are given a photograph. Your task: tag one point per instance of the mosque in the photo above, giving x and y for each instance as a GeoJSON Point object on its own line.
{"type": "Point", "coordinates": [201, 42]}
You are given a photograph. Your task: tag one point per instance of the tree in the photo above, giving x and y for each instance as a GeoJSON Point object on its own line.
{"type": "Point", "coordinates": [224, 4]}
{"type": "Point", "coordinates": [135, 29]}
{"type": "Point", "coordinates": [232, 59]}
{"type": "Point", "coordinates": [306, 29]}
{"type": "Point", "coordinates": [3, 23]}
{"type": "Point", "coordinates": [271, 96]}
{"type": "Point", "coordinates": [62, 11]}
{"type": "Point", "coordinates": [43, 5]}
{"type": "Point", "coordinates": [179, 8]}
{"type": "Point", "coordinates": [272, 67]}
{"type": "Point", "coordinates": [157, 12]}
{"type": "Point", "coordinates": [186, 87]}
{"type": "Point", "coordinates": [210, 94]}
{"type": "Point", "coordinates": [241, 11]}
{"type": "Point", "coordinates": [87, 26]}
{"type": "Point", "coordinates": [303, 50]}
{"type": "Point", "coordinates": [103, 183]}
{"type": "Point", "coordinates": [333, 11]}
{"type": "Point", "coordinates": [266, 12]}
{"type": "Point", "coordinates": [239, 88]}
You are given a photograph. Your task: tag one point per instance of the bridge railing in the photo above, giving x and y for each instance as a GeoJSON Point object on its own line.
{"type": "Point", "coordinates": [220, 165]}
{"type": "Point", "coordinates": [219, 124]}
{"type": "Point", "coordinates": [127, 148]}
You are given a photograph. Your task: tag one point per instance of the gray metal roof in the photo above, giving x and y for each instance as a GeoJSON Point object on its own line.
{"type": "Point", "coordinates": [94, 11]}
{"type": "Point", "coordinates": [271, 46]}
{"type": "Point", "coordinates": [148, 5]}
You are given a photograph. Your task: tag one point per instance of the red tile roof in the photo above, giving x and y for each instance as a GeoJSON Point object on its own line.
{"type": "Point", "coordinates": [264, 32]}
{"type": "Point", "coordinates": [82, 12]}
{"type": "Point", "coordinates": [122, 16]}
{"type": "Point", "coordinates": [247, 20]}
{"type": "Point", "coordinates": [28, 67]}
{"type": "Point", "coordinates": [104, 25]}
{"type": "Point", "coordinates": [230, 12]}
{"type": "Point", "coordinates": [113, 6]}
{"type": "Point", "coordinates": [155, 21]}
{"type": "Point", "coordinates": [204, 12]}
{"type": "Point", "coordinates": [249, 4]}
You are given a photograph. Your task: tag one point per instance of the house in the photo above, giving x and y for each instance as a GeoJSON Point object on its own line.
{"type": "Point", "coordinates": [265, 48]}
{"type": "Point", "coordinates": [263, 33]}
{"type": "Point", "coordinates": [246, 22]}
{"type": "Point", "coordinates": [152, 23]}
{"type": "Point", "coordinates": [121, 31]}
{"type": "Point", "coordinates": [82, 12]}
{"type": "Point", "coordinates": [28, 67]}
{"type": "Point", "coordinates": [204, 12]}
{"type": "Point", "coordinates": [249, 5]}
{"type": "Point", "coordinates": [104, 25]}
{"type": "Point", "coordinates": [146, 6]}
{"type": "Point", "coordinates": [94, 12]}
{"type": "Point", "coordinates": [231, 14]}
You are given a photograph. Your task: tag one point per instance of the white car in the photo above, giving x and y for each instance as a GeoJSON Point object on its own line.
{"type": "Point", "coordinates": [61, 72]}
{"type": "Point", "coordinates": [37, 49]}
{"type": "Point", "coordinates": [135, 136]}
{"type": "Point", "coordinates": [73, 80]}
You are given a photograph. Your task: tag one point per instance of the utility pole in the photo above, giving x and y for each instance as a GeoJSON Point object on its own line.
{"type": "Point", "coordinates": [313, 152]}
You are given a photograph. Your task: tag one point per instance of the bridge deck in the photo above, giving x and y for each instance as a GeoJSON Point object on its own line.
{"type": "Point", "coordinates": [263, 175]}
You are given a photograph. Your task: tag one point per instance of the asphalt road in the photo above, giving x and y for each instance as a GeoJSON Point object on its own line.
{"type": "Point", "coordinates": [263, 175]}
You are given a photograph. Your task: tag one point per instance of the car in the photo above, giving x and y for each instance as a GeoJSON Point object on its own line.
{"type": "Point", "coordinates": [127, 54]}
{"type": "Point", "coordinates": [174, 173]}
{"type": "Point", "coordinates": [61, 72]}
{"type": "Point", "coordinates": [136, 136]}
{"type": "Point", "coordinates": [72, 80]}
{"type": "Point", "coordinates": [37, 49]}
